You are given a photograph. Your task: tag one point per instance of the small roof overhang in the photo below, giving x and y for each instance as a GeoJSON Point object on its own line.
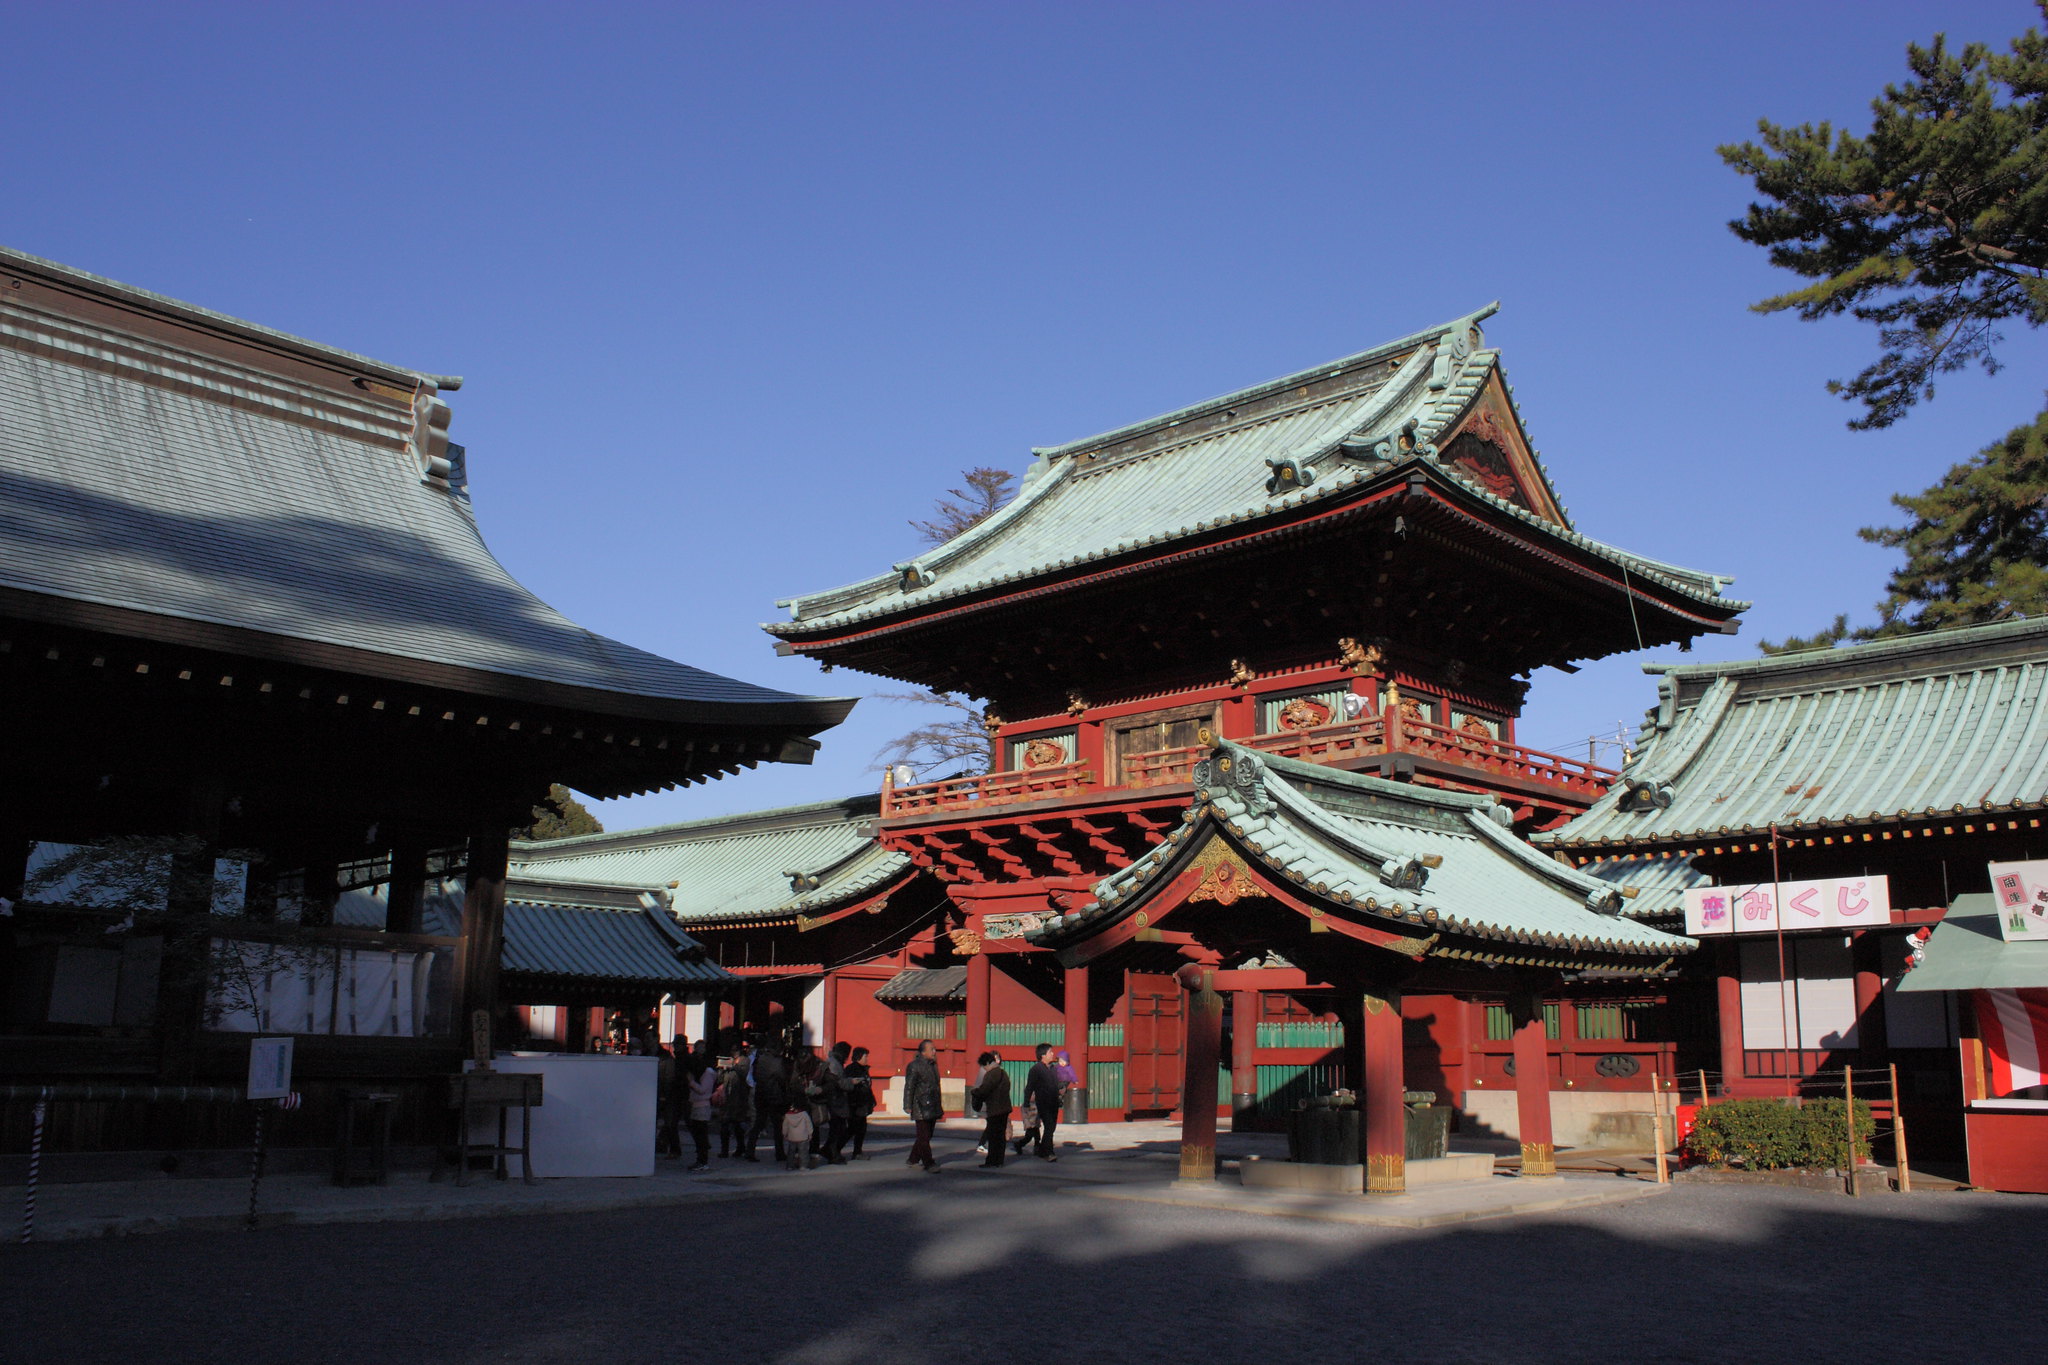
{"type": "Point", "coordinates": [1966, 952]}
{"type": "Point", "coordinates": [925, 986]}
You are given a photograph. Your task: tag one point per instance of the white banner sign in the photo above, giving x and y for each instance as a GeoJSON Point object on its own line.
{"type": "Point", "coordinates": [2022, 892]}
{"type": "Point", "coordinates": [1836, 903]}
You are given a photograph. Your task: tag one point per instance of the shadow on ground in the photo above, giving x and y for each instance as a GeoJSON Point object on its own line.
{"type": "Point", "coordinates": [883, 1264]}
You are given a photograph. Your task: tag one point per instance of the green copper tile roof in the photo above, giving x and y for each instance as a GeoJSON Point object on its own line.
{"type": "Point", "coordinates": [640, 949]}
{"type": "Point", "coordinates": [738, 866]}
{"type": "Point", "coordinates": [1659, 880]}
{"type": "Point", "coordinates": [1339, 832]}
{"type": "Point", "coordinates": [1950, 722]}
{"type": "Point", "coordinates": [1966, 952]}
{"type": "Point", "coordinates": [1206, 466]}
{"type": "Point", "coordinates": [146, 475]}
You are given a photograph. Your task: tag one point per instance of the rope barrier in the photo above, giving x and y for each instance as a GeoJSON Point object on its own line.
{"type": "Point", "coordinates": [46, 1095]}
{"type": "Point", "coordinates": [35, 1170]}
{"type": "Point", "coordinates": [255, 1167]}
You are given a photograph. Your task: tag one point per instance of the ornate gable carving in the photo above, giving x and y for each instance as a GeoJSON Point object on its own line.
{"type": "Point", "coordinates": [1487, 448]}
{"type": "Point", "coordinates": [1225, 878]}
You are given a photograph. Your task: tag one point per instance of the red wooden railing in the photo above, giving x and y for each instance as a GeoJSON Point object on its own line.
{"type": "Point", "coordinates": [989, 789]}
{"type": "Point", "coordinates": [1498, 756]}
{"type": "Point", "coordinates": [1162, 767]}
{"type": "Point", "coordinates": [1331, 744]}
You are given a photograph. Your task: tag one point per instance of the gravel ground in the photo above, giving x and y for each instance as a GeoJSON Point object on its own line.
{"type": "Point", "coordinates": [881, 1264]}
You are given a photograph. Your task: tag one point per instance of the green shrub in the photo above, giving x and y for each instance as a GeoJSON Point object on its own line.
{"type": "Point", "coordinates": [1763, 1135]}
{"type": "Point", "coordinates": [1758, 1134]}
{"type": "Point", "coordinates": [1827, 1140]}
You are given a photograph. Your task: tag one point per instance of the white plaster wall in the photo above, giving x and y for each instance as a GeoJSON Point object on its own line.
{"type": "Point", "coordinates": [1575, 1115]}
{"type": "Point", "coordinates": [814, 1014]}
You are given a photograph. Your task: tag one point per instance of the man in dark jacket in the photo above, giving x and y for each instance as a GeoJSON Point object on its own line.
{"type": "Point", "coordinates": [771, 1097]}
{"type": "Point", "coordinates": [922, 1102]}
{"type": "Point", "coordinates": [1042, 1097]}
{"type": "Point", "coordinates": [837, 1092]}
{"type": "Point", "coordinates": [992, 1093]}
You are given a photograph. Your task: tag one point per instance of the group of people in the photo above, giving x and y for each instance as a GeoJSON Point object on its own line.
{"type": "Point", "coordinates": [815, 1109]}
{"type": "Point", "coordinates": [1046, 1087]}
{"type": "Point", "coordinates": [812, 1108]}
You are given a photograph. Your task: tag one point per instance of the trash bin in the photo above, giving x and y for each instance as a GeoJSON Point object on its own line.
{"type": "Point", "coordinates": [1077, 1105]}
{"type": "Point", "coordinates": [362, 1152]}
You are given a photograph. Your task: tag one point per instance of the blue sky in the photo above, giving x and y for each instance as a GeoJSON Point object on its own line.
{"type": "Point", "coordinates": [739, 289]}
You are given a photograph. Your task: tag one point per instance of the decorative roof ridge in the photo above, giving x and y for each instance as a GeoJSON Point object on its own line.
{"type": "Point", "coordinates": [1541, 864]}
{"type": "Point", "coordinates": [774, 820]}
{"type": "Point", "coordinates": [22, 261]}
{"type": "Point", "coordinates": [1270, 386]}
{"type": "Point", "coordinates": [1051, 470]}
{"type": "Point", "coordinates": [105, 347]}
{"type": "Point", "coordinates": [1903, 646]}
{"type": "Point", "coordinates": [1671, 749]}
{"type": "Point", "coordinates": [1394, 397]}
{"type": "Point", "coordinates": [581, 884]}
{"type": "Point", "coordinates": [515, 896]}
{"type": "Point", "coordinates": [890, 864]}
{"type": "Point", "coordinates": [1702, 587]}
{"type": "Point", "coordinates": [1677, 747]}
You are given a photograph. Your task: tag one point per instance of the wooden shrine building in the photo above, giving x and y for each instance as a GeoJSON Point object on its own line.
{"type": "Point", "coordinates": [1805, 816]}
{"type": "Point", "coordinates": [1285, 872]}
{"type": "Point", "coordinates": [1355, 567]}
{"type": "Point", "coordinates": [254, 655]}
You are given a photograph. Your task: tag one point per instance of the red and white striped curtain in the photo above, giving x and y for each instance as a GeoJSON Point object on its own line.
{"type": "Point", "coordinates": [2014, 1026]}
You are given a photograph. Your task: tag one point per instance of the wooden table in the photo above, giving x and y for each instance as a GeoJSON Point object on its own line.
{"type": "Point", "coordinates": [482, 1089]}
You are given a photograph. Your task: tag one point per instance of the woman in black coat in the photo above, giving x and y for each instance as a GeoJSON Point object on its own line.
{"type": "Point", "coordinates": [992, 1093]}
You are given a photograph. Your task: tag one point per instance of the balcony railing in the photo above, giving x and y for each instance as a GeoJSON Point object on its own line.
{"type": "Point", "coordinates": [1498, 756]}
{"type": "Point", "coordinates": [1338, 745]}
{"type": "Point", "coordinates": [989, 789]}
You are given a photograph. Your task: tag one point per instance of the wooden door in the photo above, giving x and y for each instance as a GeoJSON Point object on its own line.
{"type": "Point", "coordinates": [1155, 1042]}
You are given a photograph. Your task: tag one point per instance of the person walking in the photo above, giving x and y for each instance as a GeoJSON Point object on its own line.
{"type": "Point", "coordinates": [700, 1079]}
{"type": "Point", "coordinates": [1042, 1095]}
{"type": "Point", "coordinates": [668, 1120]}
{"type": "Point", "coordinates": [860, 1099]}
{"type": "Point", "coordinates": [735, 1109]}
{"type": "Point", "coordinates": [835, 1090]}
{"type": "Point", "coordinates": [771, 1097]}
{"type": "Point", "coordinates": [992, 1093]}
{"type": "Point", "coordinates": [807, 1089]}
{"type": "Point", "coordinates": [922, 1102]}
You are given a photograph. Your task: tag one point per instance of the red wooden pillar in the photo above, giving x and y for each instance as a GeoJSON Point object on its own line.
{"type": "Point", "coordinates": [1728, 1000]}
{"type": "Point", "coordinates": [1870, 1031]}
{"type": "Point", "coordinates": [977, 1018]}
{"type": "Point", "coordinates": [1244, 1058]}
{"type": "Point", "coordinates": [1075, 1018]}
{"type": "Point", "coordinates": [1532, 1084]}
{"type": "Point", "coordinates": [1386, 1087]}
{"type": "Point", "coordinates": [1198, 1085]}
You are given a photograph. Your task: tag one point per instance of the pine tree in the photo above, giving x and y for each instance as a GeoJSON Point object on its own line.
{"type": "Point", "coordinates": [561, 816]}
{"type": "Point", "coordinates": [1934, 228]}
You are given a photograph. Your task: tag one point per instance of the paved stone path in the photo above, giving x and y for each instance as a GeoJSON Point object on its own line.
{"type": "Point", "coordinates": [879, 1263]}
